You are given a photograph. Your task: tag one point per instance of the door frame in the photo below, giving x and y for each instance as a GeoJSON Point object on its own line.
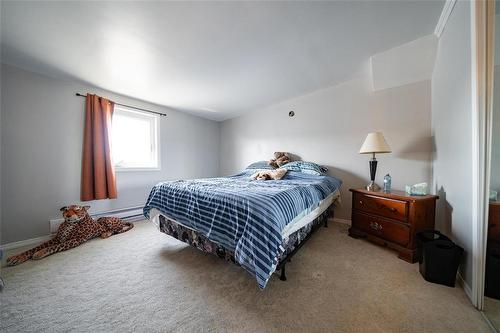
{"type": "Point", "coordinates": [482, 70]}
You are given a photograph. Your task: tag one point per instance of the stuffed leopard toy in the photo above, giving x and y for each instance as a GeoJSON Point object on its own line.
{"type": "Point", "coordinates": [77, 228]}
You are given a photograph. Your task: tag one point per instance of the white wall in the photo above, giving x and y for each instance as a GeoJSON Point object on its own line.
{"type": "Point", "coordinates": [41, 135]}
{"type": "Point", "coordinates": [329, 127]}
{"type": "Point", "coordinates": [452, 132]}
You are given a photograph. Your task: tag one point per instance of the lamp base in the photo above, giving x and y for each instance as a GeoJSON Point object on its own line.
{"type": "Point", "coordinates": [372, 187]}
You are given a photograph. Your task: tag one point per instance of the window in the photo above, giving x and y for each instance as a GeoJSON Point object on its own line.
{"type": "Point", "coordinates": [135, 140]}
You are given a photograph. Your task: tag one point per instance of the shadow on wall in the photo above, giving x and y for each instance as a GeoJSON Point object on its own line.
{"type": "Point", "coordinates": [294, 157]}
{"type": "Point", "coordinates": [444, 224]}
{"type": "Point", "coordinates": [443, 208]}
{"type": "Point", "coordinates": [420, 149]}
{"type": "Point", "coordinates": [443, 213]}
{"type": "Point", "coordinates": [349, 180]}
{"type": "Point", "coordinates": [433, 148]}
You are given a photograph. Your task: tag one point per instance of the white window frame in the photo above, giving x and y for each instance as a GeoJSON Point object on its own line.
{"type": "Point", "coordinates": [155, 138]}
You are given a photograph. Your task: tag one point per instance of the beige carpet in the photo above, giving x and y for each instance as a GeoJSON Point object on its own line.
{"type": "Point", "coordinates": [145, 281]}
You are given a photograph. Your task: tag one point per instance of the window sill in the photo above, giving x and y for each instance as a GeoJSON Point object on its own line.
{"type": "Point", "coordinates": [121, 169]}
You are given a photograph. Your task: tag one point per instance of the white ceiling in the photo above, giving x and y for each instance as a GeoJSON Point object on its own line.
{"type": "Point", "coordinates": [214, 59]}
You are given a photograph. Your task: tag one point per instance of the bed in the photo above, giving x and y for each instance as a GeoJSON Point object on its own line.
{"type": "Point", "coordinates": [256, 224]}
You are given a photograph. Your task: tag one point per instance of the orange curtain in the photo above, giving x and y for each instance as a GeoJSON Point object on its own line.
{"type": "Point", "coordinates": [98, 172]}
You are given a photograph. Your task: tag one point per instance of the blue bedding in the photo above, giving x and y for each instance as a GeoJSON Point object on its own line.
{"type": "Point", "coordinates": [243, 215]}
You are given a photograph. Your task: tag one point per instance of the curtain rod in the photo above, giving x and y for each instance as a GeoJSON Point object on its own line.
{"type": "Point", "coordinates": [129, 106]}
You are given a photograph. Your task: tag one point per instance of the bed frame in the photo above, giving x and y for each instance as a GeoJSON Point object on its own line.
{"type": "Point", "coordinates": [288, 258]}
{"type": "Point", "coordinates": [298, 238]}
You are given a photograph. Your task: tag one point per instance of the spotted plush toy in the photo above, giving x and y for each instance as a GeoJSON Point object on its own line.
{"type": "Point", "coordinates": [77, 228]}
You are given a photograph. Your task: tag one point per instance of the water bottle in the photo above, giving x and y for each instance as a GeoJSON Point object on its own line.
{"type": "Point", "coordinates": [387, 183]}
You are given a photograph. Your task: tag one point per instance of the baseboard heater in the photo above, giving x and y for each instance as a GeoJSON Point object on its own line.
{"type": "Point", "coordinates": [130, 214]}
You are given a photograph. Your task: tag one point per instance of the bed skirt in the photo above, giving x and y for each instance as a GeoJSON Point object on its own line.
{"type": "Point", "coordinates": [289, 246]}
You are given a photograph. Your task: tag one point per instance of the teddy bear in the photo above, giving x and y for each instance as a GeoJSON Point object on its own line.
{"type": "Point", "coordinates": [280, 158]}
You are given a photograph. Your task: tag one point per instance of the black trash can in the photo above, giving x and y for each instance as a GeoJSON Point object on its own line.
{"type": "Point", "coordinates": [427, 236]}
{"type": "Point", "coordinates": [492, 280]}
{"type": "Point", "coordinates": [439, 260]}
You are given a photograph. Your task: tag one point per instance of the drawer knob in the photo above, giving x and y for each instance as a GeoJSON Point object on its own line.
{"type": "Point", "coordinates": [393, 209]}
{"type": "Point", "coordinates": [375, 226]}
{"type": "Point", "coordinates": [360, 202]}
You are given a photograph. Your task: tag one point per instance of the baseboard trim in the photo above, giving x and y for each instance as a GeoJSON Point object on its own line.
{"type": "Point", "coordinates": [343, 221]}
{"type": "Point", "coordinates": [26, 242]}
{"type": "Point", "coordinates": [464, 285]}
{"type": "Point", "coordinates": [128, 214]}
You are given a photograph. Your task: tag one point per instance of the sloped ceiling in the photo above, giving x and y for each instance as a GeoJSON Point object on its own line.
{"type": "Point", "coordinates": [404, 64]}
{"type": "Point", "coordinates": [214, 59]}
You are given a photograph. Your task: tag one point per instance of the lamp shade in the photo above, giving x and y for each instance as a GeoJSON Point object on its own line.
{"type": "Point", "coordinates": [375, 143]}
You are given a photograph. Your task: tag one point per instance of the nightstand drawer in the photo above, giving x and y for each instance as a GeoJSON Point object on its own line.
{"type": "Point", "coordinates": [391, 231]}
{"type": "Point", "coordinates": [391, 208]}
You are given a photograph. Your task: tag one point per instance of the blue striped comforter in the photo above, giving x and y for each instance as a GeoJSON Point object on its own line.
{"type": "Point", "coordinates": [243, 215]}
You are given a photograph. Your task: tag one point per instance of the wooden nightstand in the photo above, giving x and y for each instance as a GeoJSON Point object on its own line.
{"type": "Point", "coordinates": [392, 219]}
{"type": "Point", "coordinates": [494, 221]}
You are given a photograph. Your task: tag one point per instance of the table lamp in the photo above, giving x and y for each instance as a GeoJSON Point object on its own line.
{"type": "Point", "coordinates": [374, 144]}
